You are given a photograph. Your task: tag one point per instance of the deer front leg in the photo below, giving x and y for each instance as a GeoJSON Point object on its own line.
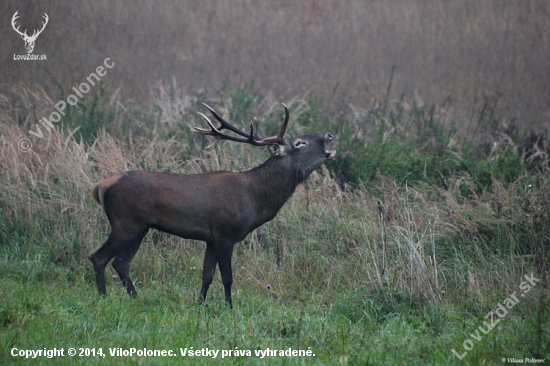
{"type": "Point", "coordinates": [208, 269]}
{"type": "Point", "coordinates": [224, 252]}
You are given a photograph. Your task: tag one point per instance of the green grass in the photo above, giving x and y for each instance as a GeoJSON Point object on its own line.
{"type": "Point", "coordinates": [392, 254]}
{"type": "Point", "coordinates": [45, 307]}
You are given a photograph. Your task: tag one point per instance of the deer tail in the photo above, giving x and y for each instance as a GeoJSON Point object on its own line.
{"type": "Point", "coordinates": [101, 188]}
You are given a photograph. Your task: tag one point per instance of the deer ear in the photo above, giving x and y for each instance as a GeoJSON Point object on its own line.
{"type": "Point", "coordinates": [299, 143]}
{"type": "Point", "coordinates": [276, 150]}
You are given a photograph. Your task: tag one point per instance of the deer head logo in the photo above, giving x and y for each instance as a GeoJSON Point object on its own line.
{"type": "Point", "coordinates": [29, 40]}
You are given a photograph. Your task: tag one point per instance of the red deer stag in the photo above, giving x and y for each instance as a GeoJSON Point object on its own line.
{"type": "Point", "coordinates": [219, 208]}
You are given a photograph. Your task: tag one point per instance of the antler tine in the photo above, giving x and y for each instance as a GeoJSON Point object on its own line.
{"type": "Point", "coordinates": [285, 124]}
{"type": "Point", "coordinates": [202, 130]}
{"type": "Point", "coordinates": [217, 133]}
{"type": "Point", "coordinates": [224, 123]}
{"type": "Point", "coordinates": [277, 139]}
{"type": "Point", "coordinates": [207, 132]}
{"type": "Point", "coordinates": [45, 22]}
{"type": "Point", "coordinates": [37, 32]}
{"type": "Point", "coordinates": [13, 23]}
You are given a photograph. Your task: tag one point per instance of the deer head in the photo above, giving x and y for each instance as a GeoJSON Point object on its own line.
{"type": "Point", "coordinates": [303, 154]}
{"type": "Point", "coordinates": [29, 40]}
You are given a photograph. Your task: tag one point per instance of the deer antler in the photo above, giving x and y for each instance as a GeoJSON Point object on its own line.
{"type": "Point", "coordinates": [46, 18]}
{"type": "Point", "coordinates": [13, 20]}
{"type": "Point", "coordinates": [36, 33]}
{"type": "Point", "coordinates": [252, 138]}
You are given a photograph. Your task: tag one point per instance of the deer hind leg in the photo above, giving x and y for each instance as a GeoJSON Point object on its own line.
{"type": "Point", "coordinates": [122, 261]}
{"type": "Point", "coordinates": [208, 269]}
{"type": "Point", "coordinates": [100, 259]}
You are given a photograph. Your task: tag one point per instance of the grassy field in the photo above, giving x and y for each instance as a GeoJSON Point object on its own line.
{"type": "Point", "coordinates": [412, 247]}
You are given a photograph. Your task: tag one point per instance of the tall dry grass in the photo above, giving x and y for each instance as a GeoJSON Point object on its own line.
{"type": "Point", "coordinates": [431, 243]}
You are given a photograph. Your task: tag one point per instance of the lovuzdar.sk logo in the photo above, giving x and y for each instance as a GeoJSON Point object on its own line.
{"type": "Point", "coordinates": [29, 40]}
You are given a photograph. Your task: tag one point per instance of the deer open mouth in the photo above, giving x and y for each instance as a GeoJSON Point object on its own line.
{"type": "Point", "coordinates": [330, 154]}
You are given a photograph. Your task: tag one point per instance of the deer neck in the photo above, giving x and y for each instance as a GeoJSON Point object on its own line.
{"type": "Point", "coordinates": [272, 184]}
